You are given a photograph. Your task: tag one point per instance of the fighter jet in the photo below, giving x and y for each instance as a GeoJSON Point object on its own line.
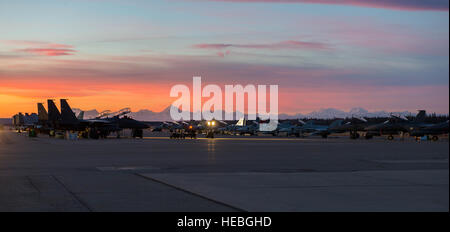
{"type": "Point", "coordinates": [322, 130]}
{"type": "Point", "coordinates": [243, 127]}
{"type": "Point", "coordinates": [289, 128]}
{"type": "Point", "coordinates": [67, 121]}
{"type": "Point", "coordinates": [161, 126]}
{"type": "Point", "coordinates": [430, 130]}
{"type": "Point", "coordinates": [93, 128]}
{"type": "Point", "coordinates": [117, 121]}
{"type": "Point", "coordinates": [354, 126]}
{"type": "Point", "coordinates": [397, 125]}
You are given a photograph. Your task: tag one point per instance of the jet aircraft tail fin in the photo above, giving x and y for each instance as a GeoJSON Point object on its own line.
{"type": "Point", "coordinates": [67, 114]}
{"type": "Point", "coordinates": [241, 122]}
{"type": "Point", "coordinates": [42, 113]}
{"type": "Point", "coordinates": [420, 117]}
{"type": "Point", "coordinates": [53, 112]}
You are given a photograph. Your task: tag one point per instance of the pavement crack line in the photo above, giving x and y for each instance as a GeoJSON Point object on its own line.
{"type": "Point", "coordinates": [33, 185]}
{"type": "Point", "coordinates": [84, 204]}
{"type": "Point", "coordinates": [191, 193]}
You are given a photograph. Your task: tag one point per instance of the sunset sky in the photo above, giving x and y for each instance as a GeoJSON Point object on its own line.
{"type": "Point", "coordinates": [111, 54]}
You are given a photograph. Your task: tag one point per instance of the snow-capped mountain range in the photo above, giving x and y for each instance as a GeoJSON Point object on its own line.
{"type": "Point", "coordinates": [148, 115]}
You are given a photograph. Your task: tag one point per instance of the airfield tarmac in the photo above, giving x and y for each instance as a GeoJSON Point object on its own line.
{"type": "Point", "coordinates": [222, 174]}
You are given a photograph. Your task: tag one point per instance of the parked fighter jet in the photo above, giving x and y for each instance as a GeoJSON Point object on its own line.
{"type": "Point", "coordinates": [322, 130]}
{"type": "Point", "coordinates": [93, 128]}
{"type": "Point", "coordinates": [124, 121]}
{"type": "Point", "coordinates": [162, 126]}
{"type": "Point", "coordinates": [430, 130]}
{"type": "Point", "coordinates": [397, 125]}
{"type": "Point", "coordinates": [354, 126]}
{"type": "Point", "coordinates": [117, 121]}
{"type": "Point", "coordinates": [243, 127]}
{"type": "Point", "coordinates": [67, 121]}
{"type": "Point", "coordinates": [183, 129]}
{"type": "Point", "coordinates": [288, 128]}
{"type": "Point", "coordinates": [227, 128]}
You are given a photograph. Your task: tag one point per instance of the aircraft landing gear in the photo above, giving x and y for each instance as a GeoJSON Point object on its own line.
{"type": "Point", "coordinates": [84, 134]}
{"type": "Point", "coordinates": [93, 133]}
{"type": "Point", "coordinates": [193, 135]}
{"type": "Point", "coordinates": [32, 133]}
{"type": "Point", "coordinates": [210, 134]}
{"type": "Point", "coordinates": [138, 133]}
{"type": "Point", "coordinates": [354, 135]}
{"type": "Point", "coordinates": [390, 137]}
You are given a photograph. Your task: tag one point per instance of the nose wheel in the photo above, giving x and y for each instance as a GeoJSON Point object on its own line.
{"type": "Point", "coordinates": [354, 135]}
{"type": "Point", "coordinates": [138, 133]}
{"type": "Point", "coordinates": [210, 134]}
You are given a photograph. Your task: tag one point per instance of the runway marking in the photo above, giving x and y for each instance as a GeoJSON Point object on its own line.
{"type": "Point", "coordinates": [192, 193]}
{"type": "Point", "coordinates": [84, 204]}
{"type": "Point", "coordinates": [33, 185]}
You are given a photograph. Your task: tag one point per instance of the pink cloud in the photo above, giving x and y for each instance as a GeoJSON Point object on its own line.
{"type": "Point", "coordinates": [223, 54]}
{"type": "Point", "coordinates": [290, 44]}
{"type": "Point", "coordinates": [41, 48]}
{"type": "Point", "coordinates": [48, 51]}
{"type": "Point", "coordinates": [438, 5]}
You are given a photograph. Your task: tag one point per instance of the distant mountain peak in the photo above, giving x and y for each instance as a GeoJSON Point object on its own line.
{"type": "Point", "coordinates": [325, 113]}
{"type": "Point", "coordinates": [358, 110]}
